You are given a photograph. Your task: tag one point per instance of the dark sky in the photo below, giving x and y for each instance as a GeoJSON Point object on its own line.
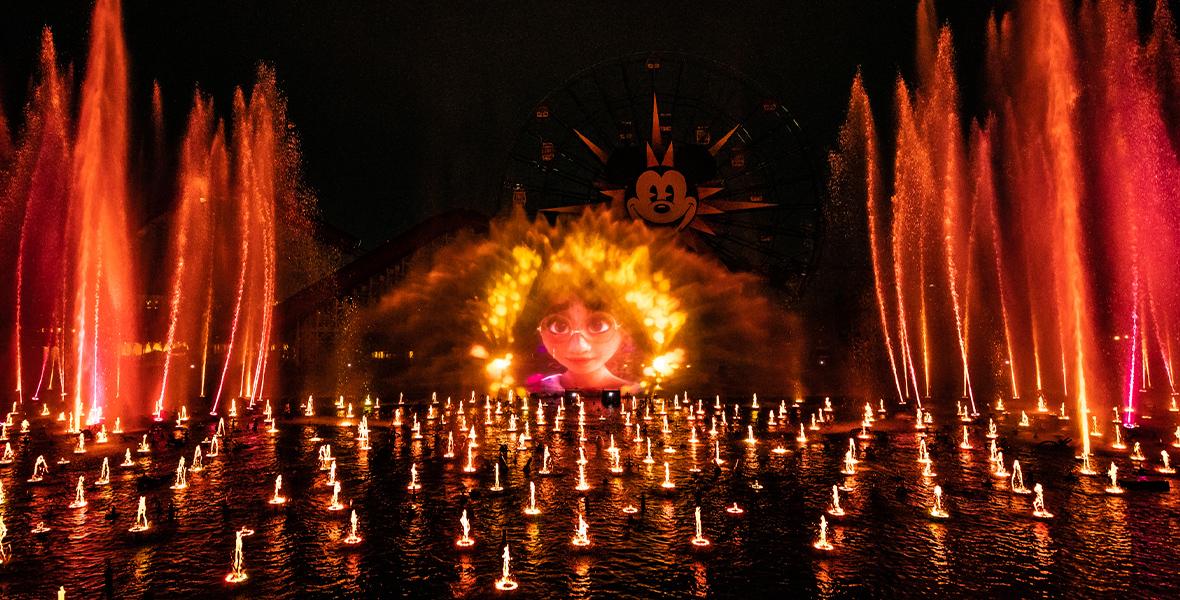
{"type": "Point", "coordinates": [408, 109]}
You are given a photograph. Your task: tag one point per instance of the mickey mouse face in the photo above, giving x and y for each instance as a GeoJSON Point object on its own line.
{"type": "Point", "coordinates": [661, 196]}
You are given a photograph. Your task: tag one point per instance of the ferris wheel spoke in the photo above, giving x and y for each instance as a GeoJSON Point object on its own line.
{"type": "Point", "coordinates": [589, 116]}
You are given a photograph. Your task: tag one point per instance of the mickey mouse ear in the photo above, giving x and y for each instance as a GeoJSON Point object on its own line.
{"type": "Point", "coordinates": [625, 165]}
{"type": "Point", "coordinates": [695, 163]}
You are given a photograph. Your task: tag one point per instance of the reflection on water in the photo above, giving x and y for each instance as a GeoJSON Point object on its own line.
{"type": "Point", "coordinates": [885, 545]}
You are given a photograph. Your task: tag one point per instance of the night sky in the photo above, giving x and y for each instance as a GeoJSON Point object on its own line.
{"type": "Point", "coordinates": [406, 110]}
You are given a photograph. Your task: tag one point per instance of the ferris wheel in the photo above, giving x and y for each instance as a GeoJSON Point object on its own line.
{"type": "Point", "coordinates": [682, 142]}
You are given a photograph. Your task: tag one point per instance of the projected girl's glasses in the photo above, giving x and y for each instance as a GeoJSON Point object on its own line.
{"type": "Point", "coordinates": [595, 327]}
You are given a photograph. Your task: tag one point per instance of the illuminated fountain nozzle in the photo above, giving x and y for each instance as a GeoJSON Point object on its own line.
{"type": "Point", "coordinates": [1039, 503]}
{"type": "Point", "coordinates": [1114, 480]}
{"type": "Point", "coordinates": [506, 582]}
{"type": "Point", "coordinates": [849, 463]}
{"type": "Point", "coordinates": [582, 533]}
{"type": "Point", "coordinates": [1118, 439]}
{"type": "Point", "coordinates": [1167, 468]}
{"type": "Point", "coordinates": [937, 510]}
{"type": "Point", "coordinates": [1087, 469]}
{"type": "Point", "coordinates": [699, 539]}
{"type": "Point", "coordinates": [496, 487]}
{"type": "Point", "coordinates": [1018, 479]}
{"type": "Point", "coordinates": [180, 483]}
{"type": "Point", "coordinates": [802, 437]}
{"type": "Point", "coordinates": [141, 522]}
{"type": "Point", "coordinates": [667, 485]}
{"type": "Point", "coordinates": [238, 574]}
{"type": "Point", "coordinates": [532, 509]}
{"type": "Point", "coordinates": [470, 468]}
{"type": "Point", "coordinates": [582, 485]}
{"type": "Point", "coordinates": [104, 475]}
{"type": "Point", "coordinates": [864, 431]}
{"type": "Point", "coordinates": [352, 537]}
{"type": "Point", "coordinates": [335, 503]}
{"type": "Point", "coordinates": [144, 447]}
{"type": "Point", "coordinates": [40, 470]}
{"type": "Point", "coordinates": [278, 499]}
{"type": "Point", "coordinates": [963, 415]}
{"type": "Point", "coordinates": [466, 540]}
{"type": "Point", "coordinates": [1137, 454]}
{"type": "Point", "coordinates": [1000, 471]}
{"type": "Point", "coordinates": [127, 462]}
{"type": "Point", "coordinates": [79, 498]}
{"type": "Point", "coordinates": [822, 543]}
{"type": "Point", "coordinates": [414, 485]}
{"type": "Point", "coordinates": [835, 510]}
{"type": "Point", "coordinates": [734, 510]}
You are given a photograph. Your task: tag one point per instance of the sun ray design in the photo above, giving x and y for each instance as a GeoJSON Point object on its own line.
{"type": "Point", "coordinates": [652, 187]}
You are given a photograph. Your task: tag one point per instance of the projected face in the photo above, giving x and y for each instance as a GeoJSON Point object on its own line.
{"type": "Point", "coordinates": [583, 341]}
{"type": "Point", "coordinates": [661, 196]}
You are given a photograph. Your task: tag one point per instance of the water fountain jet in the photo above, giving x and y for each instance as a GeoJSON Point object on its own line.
{"type": "Point", "coordinates": [1039, 504]}
{"type": "Point", "coordinates": [180, 483]}
{"type": "Point", "coordinates": [79, 498]}
{"type": "Point", "coordinates": [238, 574]}
{"type": "Point", "coordinates": [141, 522]}
{"type": "Point", "coordinates": [699, 538]}
{"type": "Point", "coordinates": [822, 543]}
{"type": "Point", "coordinates": [466, 540]}
{"type": "Point", "coordinates": [1114, 488]}
{"type": "Point", "coordinates": [505, 582]}
{"type": "Point", "coordinates": [937, 510]}
{"type": "Point", "coordinates": [352, 537]}
{"type": "Point", "coordinates": [278, 499]}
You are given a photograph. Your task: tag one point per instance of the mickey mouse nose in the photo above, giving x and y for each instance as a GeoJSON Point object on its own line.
{"type": "Point", "coordinates": [662, 207]}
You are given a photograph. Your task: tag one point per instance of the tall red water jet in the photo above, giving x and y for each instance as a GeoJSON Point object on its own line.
{"type": "Point", "coordinates": [201, 183]}
{"type": "Point", "coordinates": [1074, 176]}
{"type": "Point", "coordinates": [940, 112]}
{"type": "Point", "coordinates": [105, 316]}
{"type": "Point", "coordinates": [985, 196]}
{"type": "Point", "coordinates": [38, 194]}
{"type": "Point", "coordinates": [262, 181]}
{"type": "Point", "coordinates": [857, 160]}
{"type": "Point", "coordinates": [911, 185]}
